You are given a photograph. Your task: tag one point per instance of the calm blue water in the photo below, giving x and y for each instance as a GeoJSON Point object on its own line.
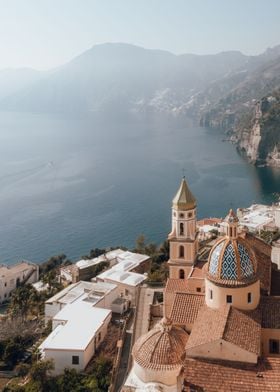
{"type": "Point", "coordinates": [72, 184]}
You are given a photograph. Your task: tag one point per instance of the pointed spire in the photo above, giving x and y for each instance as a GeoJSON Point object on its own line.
{"type": "Point", "coordinates": [232, 224]}
{"type": "Point", "coordinates": [231, 217]}
{"type": "Point", "coordinates": [184, 199]}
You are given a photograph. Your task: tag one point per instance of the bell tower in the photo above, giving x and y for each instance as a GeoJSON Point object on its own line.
{"type": "Point", "coordinates": [183, 237]}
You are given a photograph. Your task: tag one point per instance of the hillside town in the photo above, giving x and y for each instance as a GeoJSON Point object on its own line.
{"type": "Point", "coordinates": [203, 316]}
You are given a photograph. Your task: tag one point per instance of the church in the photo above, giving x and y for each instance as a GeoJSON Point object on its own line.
{"type": "Point", "coordinates": [221, 324]}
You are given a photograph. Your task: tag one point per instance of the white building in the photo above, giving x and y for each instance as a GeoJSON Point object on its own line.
{"type": "Point", "coordinates": [256, 217]}
{"type": "Point", "coordinates": [84, 268]}
{"type": "Point", "coordinates": [11, 276]}
{"type": "Point", "coordinates": [78, 330]}
{"type": "Point", "coordinates": [127, 282]}
{"type": "Point", "coordinates": [99, 294]}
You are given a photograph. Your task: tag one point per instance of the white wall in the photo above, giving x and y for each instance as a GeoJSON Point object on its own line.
{"type": "Point", "coordinates": [10, 276]}
{"type": "Point", "coordinates": [51, 309]}
{"type": "Point", "coordinates": [63, 359]}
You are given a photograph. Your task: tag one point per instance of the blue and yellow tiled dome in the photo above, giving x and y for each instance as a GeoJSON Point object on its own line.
{"type": "Point", "coordinates": [231, 261]}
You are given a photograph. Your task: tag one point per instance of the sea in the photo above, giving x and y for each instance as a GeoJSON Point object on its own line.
{"type": "Point", "coordinates": [71, 183]}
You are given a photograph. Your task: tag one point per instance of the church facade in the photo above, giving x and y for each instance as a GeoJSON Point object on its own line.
{"type": "Point", "coordinates": [221, 325]}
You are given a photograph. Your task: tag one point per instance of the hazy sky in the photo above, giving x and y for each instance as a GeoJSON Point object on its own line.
{"type": "Point", "coordinates": [47, 33]}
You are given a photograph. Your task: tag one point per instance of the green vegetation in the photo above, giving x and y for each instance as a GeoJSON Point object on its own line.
{"type": "Point", "coordinates": [38, 379]}
{"type": "Point", "coordinates": [158, 272]}
{"type": "Point", "coordinates": [269, 236]}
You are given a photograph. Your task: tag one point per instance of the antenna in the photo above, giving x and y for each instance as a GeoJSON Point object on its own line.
{"type": "Point", "coordinates": [183, 173]}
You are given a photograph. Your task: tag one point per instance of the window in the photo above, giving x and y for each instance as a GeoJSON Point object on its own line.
{"type": "Point", "coordinates": [189, 215]}
{"type": "Point", "coordinates": [249, 298]}
{"type": "Point", "coordinates": [5, 284]}
{"type": "Point", "coordinates": [198, 289]}
{"type": "Point", "coordinates": [75, 360]}
{"type": "Point", "coordinates": [99, 336]}
{"type": "Point", "coordinates": [211, 294]}
{"type": "Point", "coordinates": [181, 215]}
{"type": "Point", "coordinates": [174, 213]}
{"type": "Point", "coordinates": [181, 274]}
{"type": "Point", "coordinates": [181, 251]}
{"type": "Point", "coordinates": [181, 228]}
{"type": "Point", "coordinates": [229, 299]}
{"type": "Point", "coordinates": [126, 292]}
{"type": "Point", "coordinates": [273, 346]}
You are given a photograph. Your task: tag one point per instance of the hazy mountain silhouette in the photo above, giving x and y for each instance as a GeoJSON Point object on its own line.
{"type": "Point", "coordinates": [118, 77]}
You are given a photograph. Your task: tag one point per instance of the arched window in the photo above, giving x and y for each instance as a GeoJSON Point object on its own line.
{"type": "Point", "coordinates": [181, 228]}
{"type": "Point", "coordinates": [181, 251]}
{"type": "Point", "coordinates": [181, 274]}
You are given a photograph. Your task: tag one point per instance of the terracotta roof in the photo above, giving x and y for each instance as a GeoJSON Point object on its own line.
{"type": "Point", "coordinates": [183, 285]}
{"type": "Point", "coordinates": [263, 255]}
{"type": "Point", "coordinates": [161, 348]}
{"type": "Point", "coordinates": [213, 376]}
{"type": "Point", "coordinates": [208, 221]}
{"type": "Point", "coordinates": [227, 323]}
{"type": "Point", "coordinates": [184, 199]}
{"type": "Point", "coordinates": [185, 307]}
{"type": "Point", "coordinates": [270, 308]}
{"type": "Point", "coordinates": [275, 282]}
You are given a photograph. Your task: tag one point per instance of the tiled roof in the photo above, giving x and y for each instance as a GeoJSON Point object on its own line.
{"type": "Point", "coordinates": [270, 308]}
{"type": "Point", "coordinates": [213, 376]}
{"type": "Point", "coordinates": [183, 285]}
{"type": "Point", "coordinates": [185, 307]}
{"type": "Point", "coordinates": [263, 255]}
{"type": "Point", "coordinates": [275, 282]}
{"type": "Point", "coordinates": [227, 323]}
{"type": "Point", "coordinates": [161, 348]}
{"type": "Point", "coordinates": [244, 330]}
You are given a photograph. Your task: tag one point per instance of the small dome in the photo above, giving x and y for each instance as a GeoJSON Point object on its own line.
{"type": "Point", "coordinates": [161, 348]}
{"type": "Point", "coordinates": [232, 262]}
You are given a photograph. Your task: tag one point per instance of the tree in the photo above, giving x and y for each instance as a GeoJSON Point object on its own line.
{"type": "Point", "coordinates": [71, 380]}
{"type": "Point", "coordinates": [21, 300]}
{"type": "Point", "coordinates": [140, 243]}
{"type": "Point", "coordinates": [40, 371]}
{"type": "Point", "coordinates": [13, 352]}
{"type": "Point", "coordinates": [102, 373]}
{"type": "Point", "coordinates": [22, 369]}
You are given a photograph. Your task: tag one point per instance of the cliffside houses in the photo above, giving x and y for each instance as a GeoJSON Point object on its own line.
{"type": "Point", "coordinates": [85, 269]}
{"type": "Point", "coordinates": [12, 275]}
{"type": "Point", "coordinates": [80, 313]}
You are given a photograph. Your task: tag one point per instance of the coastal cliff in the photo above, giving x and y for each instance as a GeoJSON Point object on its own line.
{"type": "Point", "coordinates": [250, 114]}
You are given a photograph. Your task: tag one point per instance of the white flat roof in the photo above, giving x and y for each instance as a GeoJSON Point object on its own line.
{"type": "Point", "coordinates": [125, 277]}
{"type": "Point", "coordinates": [82, 290]}
{"type": "Point", "coordinates": [16, 268]}
{"type": "Point", "coordinates": [82, 321]}
{"type": "Point", "coordinates": [119, 255]}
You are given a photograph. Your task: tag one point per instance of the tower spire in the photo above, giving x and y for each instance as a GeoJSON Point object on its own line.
{"type": "Point", "coordinates": [184, 199]}
{"type": "Point", "coordinates": [183, 236]}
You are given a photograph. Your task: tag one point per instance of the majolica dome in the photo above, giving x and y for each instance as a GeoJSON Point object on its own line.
{"type": "Point", "coordinates": [162, 348]}
{"type": "Point", "coordinates": [232, 262]}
